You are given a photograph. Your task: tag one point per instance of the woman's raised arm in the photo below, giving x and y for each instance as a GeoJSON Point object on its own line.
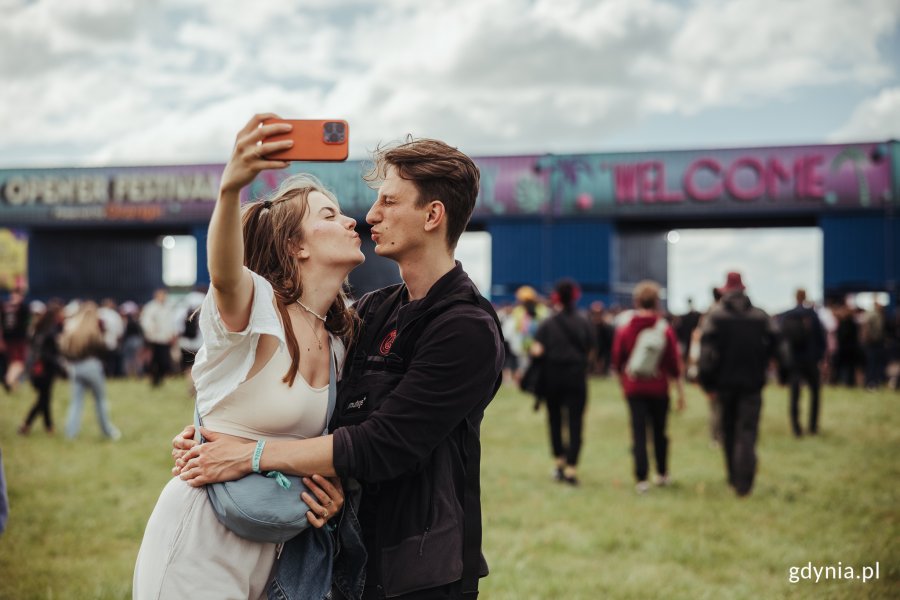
{"type": "Point", "coordinates": [232, 286]}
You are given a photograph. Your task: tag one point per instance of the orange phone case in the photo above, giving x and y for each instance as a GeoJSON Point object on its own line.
{"type": "Point", "coordinates": [314, 139]}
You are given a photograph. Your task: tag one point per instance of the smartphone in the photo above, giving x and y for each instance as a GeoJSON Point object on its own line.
{"type": "Point", "coordinates": [314, 139]}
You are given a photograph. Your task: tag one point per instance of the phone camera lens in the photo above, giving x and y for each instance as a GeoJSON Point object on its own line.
{"type": "Point", "coordinates": [329, 127]}
{"type": "Point", "coordinates": [339, 127]}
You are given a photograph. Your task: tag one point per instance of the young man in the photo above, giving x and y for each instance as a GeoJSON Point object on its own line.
{"type": "Point", "coordinates": [737, 343]}
{"type": "Point", "coordinates": [415, 385]}
{"type": "Point", "coordinates": [806, 344]}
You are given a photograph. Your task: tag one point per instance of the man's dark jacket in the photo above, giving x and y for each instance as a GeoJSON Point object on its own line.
{"type": "Point", "coordinates": [737, 342]}
{"type": "Point", "coordinates": [811, 349]}
{"type": "Point", "coordinates": [403, 432]}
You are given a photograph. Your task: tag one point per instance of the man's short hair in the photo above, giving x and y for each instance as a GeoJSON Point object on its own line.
{"type": "Point", "coordinates": [439, 172]}
{"type": "Point", "coordinates": [646, 294]}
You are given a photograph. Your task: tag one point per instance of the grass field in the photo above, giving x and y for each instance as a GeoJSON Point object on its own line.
{"type": "Point", "coordinates": [78, 508]}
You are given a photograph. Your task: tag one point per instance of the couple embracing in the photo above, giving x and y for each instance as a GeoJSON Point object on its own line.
{"type": "Point", "coordinates": [393, 491]}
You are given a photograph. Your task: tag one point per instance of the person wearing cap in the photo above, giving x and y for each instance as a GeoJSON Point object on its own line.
{"type": "Point", "coordinates": [737, 343]}
{"type": "Point", "coordinates": [521, 325]}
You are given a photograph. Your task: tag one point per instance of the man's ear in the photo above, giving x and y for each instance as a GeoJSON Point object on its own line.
{"type": "Point", "coordinates": [436, 215]}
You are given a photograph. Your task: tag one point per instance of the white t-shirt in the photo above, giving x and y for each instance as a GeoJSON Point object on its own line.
{"type": "Point", "coordinates": [226, 357]}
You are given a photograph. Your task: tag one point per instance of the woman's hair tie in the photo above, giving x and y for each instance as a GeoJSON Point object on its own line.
{"type": "Point", "coordinates": [267, 204]}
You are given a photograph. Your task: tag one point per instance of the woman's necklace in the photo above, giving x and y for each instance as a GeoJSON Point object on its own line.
{"type": "Point", "coordinates": [308, 322]}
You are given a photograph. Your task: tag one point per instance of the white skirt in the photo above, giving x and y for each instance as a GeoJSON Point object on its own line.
{"type": "Point", "coordinates": [187, 552]}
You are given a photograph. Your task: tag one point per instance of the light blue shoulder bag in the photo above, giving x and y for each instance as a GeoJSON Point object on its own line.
{"type": "Point", "coordinates": [265, 507]}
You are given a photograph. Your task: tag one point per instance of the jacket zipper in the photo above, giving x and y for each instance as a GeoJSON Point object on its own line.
{"type": "Point", "coordinates": [429, 520]}
{"type": "Point", "coordinates": [422, 543]}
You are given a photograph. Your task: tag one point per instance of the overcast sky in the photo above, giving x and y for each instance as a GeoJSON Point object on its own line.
{"type": "Point", "coordinates": [121, 82]}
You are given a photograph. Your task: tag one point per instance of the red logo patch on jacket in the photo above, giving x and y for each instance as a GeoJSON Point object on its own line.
{"type": "Point", "coordinates": [387, 342]}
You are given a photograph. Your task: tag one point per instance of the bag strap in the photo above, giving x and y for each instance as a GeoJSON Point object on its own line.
{"type": "Point", "coordinates": [332, 384]}
{"type": "Point", "coordinates": [660, 324]}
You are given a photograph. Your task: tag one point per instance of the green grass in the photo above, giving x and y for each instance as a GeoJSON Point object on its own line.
{"type": "Point", "coordinates": [78, 508]}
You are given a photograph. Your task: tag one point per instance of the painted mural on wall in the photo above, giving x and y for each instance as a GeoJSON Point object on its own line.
{"type": "Point", "coordinates": [13, 259]}
{"type": "Point", "coordinates": [798, 179]}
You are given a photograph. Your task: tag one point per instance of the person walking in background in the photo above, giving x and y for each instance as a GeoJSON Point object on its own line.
{"type": "Point", "coordinates": [82, 344]}
{"type": "Point", "coordinates": [521, 324]}
{"type": "Point", "coordinates": [190, 339]}
{"type": "Point", "coordinates": [15, 335]}
{"type": "Point", "coordinates": [687, 324]}
{"type": "Point", "coordinates": [873, 326]}
{"type": "Point", "coordinates": [646, 357]}
{"type": "Point", "coordinates": [692, 374]}
{"type": "Point", "coordinates": [737, 343]}
{"type": "Point", "coordinates": [113, 329]}
{"type": "Point", "coordinates": [45, 365]}
{"type": "Point", "coordinates": [158, 325]}
{"type": "Point", "coordinates": [804, 335]}
{"type": "Point", "coordinates": [828, 318]}
{"type": "Point", "coordinates": [132, 340]}
{"type": "Point", "coordinates": [604, 332]}
{"type": "Point", "coordinates": [565, 344]}
{"type": "Point", "coordinates": [848, 352]}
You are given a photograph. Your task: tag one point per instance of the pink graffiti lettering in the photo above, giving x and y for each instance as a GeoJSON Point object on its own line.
{"type": "Point", "coordinates": [696, 193]}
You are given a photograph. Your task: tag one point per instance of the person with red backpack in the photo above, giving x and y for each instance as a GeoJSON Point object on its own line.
{"type": "Point", "coordinates": [646, 357]}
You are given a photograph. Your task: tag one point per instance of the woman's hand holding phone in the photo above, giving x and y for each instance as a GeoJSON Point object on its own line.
{"type": "Point", "coordinates": [250, 153]}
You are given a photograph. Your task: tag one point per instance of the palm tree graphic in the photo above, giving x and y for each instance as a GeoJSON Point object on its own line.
{"type": "Point", "coordinates": [858, 159]}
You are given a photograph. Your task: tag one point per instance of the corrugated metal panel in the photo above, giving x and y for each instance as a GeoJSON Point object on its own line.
{"type": "Point", "coordinates": [538, 253]}
{"type": "Point", "coordinates": [581, 251]}
{"type": "Point", "coordinates": [638, 255]}
{"type": "Point", "coordinates": [516, 254]}
{"type": "Point", "coordinates": [95, 264]}
{"type": "Point", "coordinates": [857, 253]}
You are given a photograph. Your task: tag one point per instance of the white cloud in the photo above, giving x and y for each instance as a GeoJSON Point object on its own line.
{"type": "Point", "coordinates": [773, 263]}
{"type": "Point", "coordinates": [173, 80]}
{"type": "Point", "coordinates": [876, 118]}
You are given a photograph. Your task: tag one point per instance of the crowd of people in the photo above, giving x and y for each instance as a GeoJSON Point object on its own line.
{"type": "Point", "coordinates": [732, 350]}
{"type": "Point", "coordinates": [88, 343]}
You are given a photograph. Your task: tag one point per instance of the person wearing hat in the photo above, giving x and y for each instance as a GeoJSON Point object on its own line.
{"type": "Point", "coordinates": [521, 324]}
{"type": "Point", "coordinates": [737, 343]}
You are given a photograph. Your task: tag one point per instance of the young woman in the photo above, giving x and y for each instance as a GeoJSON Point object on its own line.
{"type": "Point", "coordinates": [81, 343]}
{"type": "Point", "coordinates": [565, 342]}
{"type": "Point", "coordinates": [45, 366]}
{"type": "Point", "coordinates": [648, 396]}
{"type": "Point", "coordinates": [274, 311]}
